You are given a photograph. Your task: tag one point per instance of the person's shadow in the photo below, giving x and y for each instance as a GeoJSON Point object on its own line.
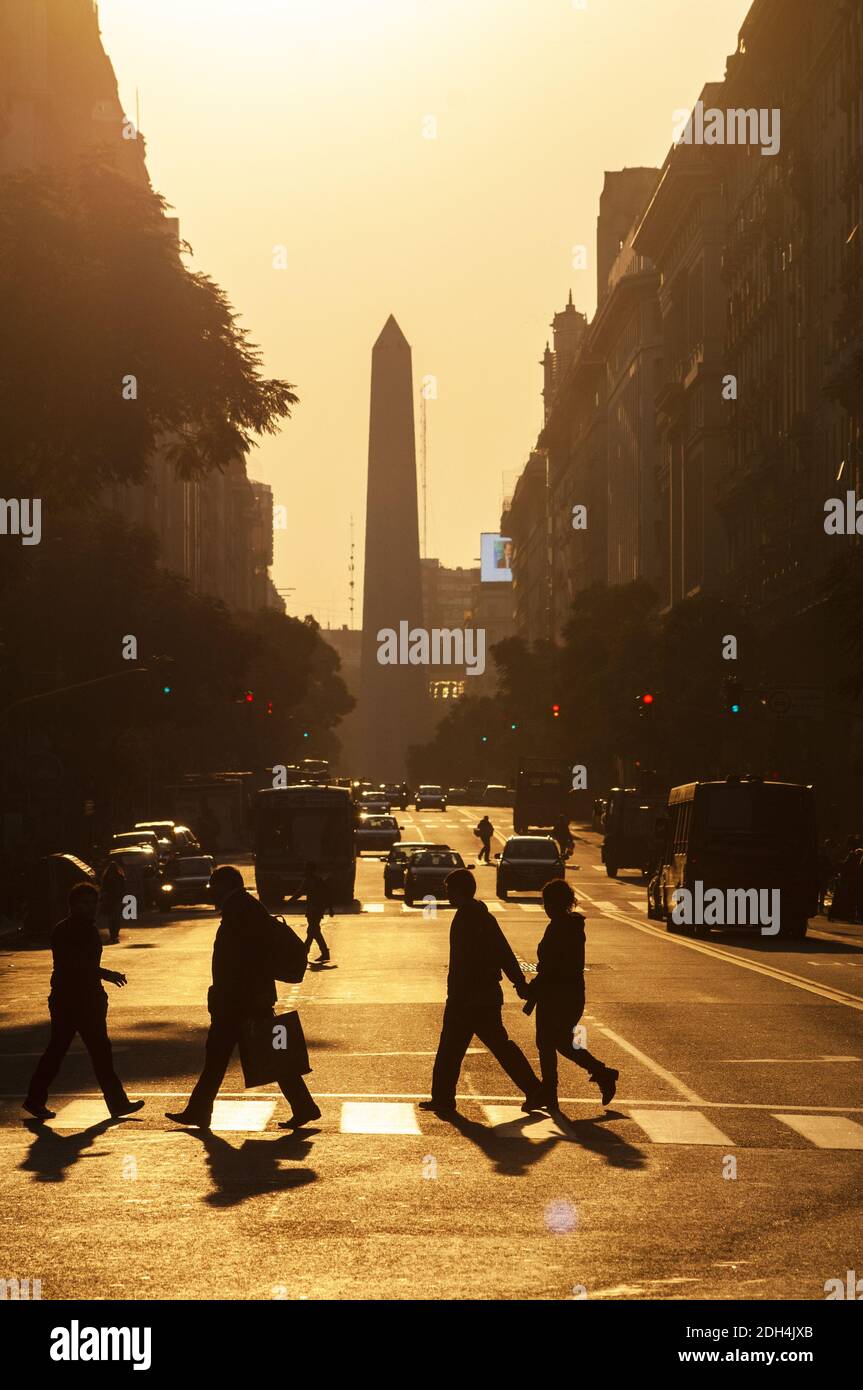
{"type": "Point", "coordinates": [252, 1169]}
{"type": "Point", "coordinates": [513, 1151]}
{"type": "Point", "coordinates": [51, 1153]}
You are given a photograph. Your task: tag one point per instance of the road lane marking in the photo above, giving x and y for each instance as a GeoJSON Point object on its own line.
{"type": "Point", "coordinates": [836, 996]}
{"type": "Point", "coordinates": [241, 1115]}
{"type": "Point", "coordinates": [511, 1122]}
{"type": "Point", "coordinates": [825, 1131]}
{"type": "Point", "coordinates": [530, 907]}
{"type": "Point", "coordinates": [373, 907]}
{"type": "Point", "coordinates": [660, 1071]}
{"type": "Point", "coordinates": [360, 1117]}
{"type": "Point", "coordinates": [679, 1127]}
{"type": "Point", "coordinates": [636, 903]}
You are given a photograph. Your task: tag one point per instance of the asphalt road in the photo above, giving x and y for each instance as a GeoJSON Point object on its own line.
{"type": "Point", "coordinates": [728, 1165]}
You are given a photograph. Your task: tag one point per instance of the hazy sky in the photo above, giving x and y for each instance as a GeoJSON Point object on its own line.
{"type": "Point", "coordinates": [302, 123]}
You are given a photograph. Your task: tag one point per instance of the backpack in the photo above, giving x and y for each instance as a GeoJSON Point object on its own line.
{"type": "Point", "coordinates": [288, 953]}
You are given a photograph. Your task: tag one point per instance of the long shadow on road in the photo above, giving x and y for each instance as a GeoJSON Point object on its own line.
{"type": "Point", "coordinates": [254, 1168]}
{"type": "Point", "coordinates": [514, 1153]}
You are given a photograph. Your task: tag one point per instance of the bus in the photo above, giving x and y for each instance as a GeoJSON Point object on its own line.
{"type": "Point", "coordinates": [542, 793]}
{"type": "Point", "coordinates": [292, 825]}
{"type": "Point", "coordinates": [737, 836]}
{"type": "Point", "coordinates": [629, 829]}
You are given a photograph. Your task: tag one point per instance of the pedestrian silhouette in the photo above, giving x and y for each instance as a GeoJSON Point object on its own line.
{"type": "Point", "coordinates": [484, 831]}
{"type": "Point", "coordinates": [243, 988]}
{"type": "Point", "coordinates": [319, 899]}
{"type": "Point", "coordinates": [557, 993]}
{"type": "Point", "coordinates": [78, 1004]}
{"type": "Point", "coordinates": [112, 887]}
{"type": "Point", "coordinates": [478, 953]}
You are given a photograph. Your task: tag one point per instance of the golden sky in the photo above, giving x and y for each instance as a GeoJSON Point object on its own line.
{"type": "Point", "coordinates": [303, 123]}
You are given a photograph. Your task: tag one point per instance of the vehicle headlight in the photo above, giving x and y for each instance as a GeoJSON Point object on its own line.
{"type": "Point", "coordinates": [167, 887]}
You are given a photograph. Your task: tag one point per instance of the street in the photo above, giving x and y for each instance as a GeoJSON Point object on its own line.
{"type": "Point", "coordinates": [727, 1166]}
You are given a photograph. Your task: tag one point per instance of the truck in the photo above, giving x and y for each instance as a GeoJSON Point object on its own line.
{"type": "Point", "coordinates": [294, 825]}
{"type": "Point", "coordinates": [542, 793]}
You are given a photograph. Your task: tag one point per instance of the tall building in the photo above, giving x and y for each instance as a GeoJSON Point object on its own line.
{"type": "Point", "coordinates": [393, 700]}
{"type": "Point", "coordinates": [448, 603]}
{"type": "Point", "coordinates": [59, 103]}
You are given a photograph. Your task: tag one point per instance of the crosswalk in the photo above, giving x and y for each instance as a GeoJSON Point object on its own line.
{"type": "Point", "coordinates": [682, 1126]}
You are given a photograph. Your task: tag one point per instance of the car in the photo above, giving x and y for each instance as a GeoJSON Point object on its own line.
{"type": "Point", "coordinates": [527, 862]}
{"type": "Point", "coordinates": [475, 792]}
{"type": "Point", "coordinates": [426, 873]}
{"type": "Point", "coordinates": [141, 867]}
{"type": "Point", "coordinates": [374, 803]}
{"type": "Point", "coordinates": [396, 793]}
{"type": "Point", "coordinates": [429, 797]}
{"type": "Point", "coordinates": [186, 881]}
{"type": "Point", "coordinates": [496, 794]}
{"type": "Point", "coordinates": [457, 796]}
{"type": "Point", "coordinates": [131, 839]}
{"type": "Point", "coordinates": [175, 838]}
{"type": "Point", "coordinates": [396, 861]}
{"type": "Point", "coordinates": [376, 832]}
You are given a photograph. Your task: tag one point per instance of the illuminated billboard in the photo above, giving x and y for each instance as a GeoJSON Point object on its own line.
{"type": "Point", "coordinates": [495, 555]}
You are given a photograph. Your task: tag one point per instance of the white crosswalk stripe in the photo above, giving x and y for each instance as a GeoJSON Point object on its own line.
{"type": "Point", "coordinates": [825, 1131]}
{"type": "Point", "coordinates": [378, 1117]}
{"type": "Point", "coordinates": [679, 1127]}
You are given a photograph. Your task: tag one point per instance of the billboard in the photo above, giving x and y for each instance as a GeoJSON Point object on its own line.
{"type": "Point", "coordinates": [495, 558]}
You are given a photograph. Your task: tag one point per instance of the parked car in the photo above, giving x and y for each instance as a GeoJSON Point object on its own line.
{"type": "Point", "coordinates": [141, 866]}
{"type": "Point", "coordinates": [427, 871]}
{"type": "Point", "coordinates": [132, 839]}
{"type": "Point", "coordinates": [376, 832]}
{"type": "Point", "coordinates": [396, 862]}
{"type": "Point", "coordinates": [186, 880]}
{"type": "Point", "coordinates": [175, 838]}
{"type": "Point", "coordinates": [430, 798]}
{"type": "Point", "coordinates": [527, 862]}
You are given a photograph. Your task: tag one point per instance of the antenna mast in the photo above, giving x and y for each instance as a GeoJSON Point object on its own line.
{"type": "Point", "coordinates": [424, 473]}
{"type": "Point", "coordinates": [351, 568]}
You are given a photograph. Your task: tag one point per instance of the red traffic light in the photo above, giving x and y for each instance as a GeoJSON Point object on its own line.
{"type": "Point", "coordinates": [647, 699]}
{"type": "Point", "coordinates": [249, 697]}
{"type": "Point", "coordinates": [555, 709]}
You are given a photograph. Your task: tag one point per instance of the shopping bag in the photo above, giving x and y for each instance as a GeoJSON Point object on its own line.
{"type": "Point", "coordinates": [272, 1047]}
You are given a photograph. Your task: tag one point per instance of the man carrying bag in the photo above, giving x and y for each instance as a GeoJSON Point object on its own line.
{"type": "Point", "coordinates": [251, 950]}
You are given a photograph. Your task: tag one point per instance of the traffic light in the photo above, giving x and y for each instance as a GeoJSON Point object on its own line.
{"type": "Point", "coordinates": [249, 697]}
{"type": "Point", "coordinates": [555, 711]}
{"type": "Point", "coordinates": [269, 707]}
{"type": "Point", "coordinates": [733, 695]}
{"type": "Point", "coordinates": [513, 727]}
{"type": "Point", "coordinates": [484, 738]}
{"type": "Point", "coordinates": [167, 690]}
{"type": "Point", "coordinates": [645, 701]}
{"type": "Point", "coordinates": [305, 733]}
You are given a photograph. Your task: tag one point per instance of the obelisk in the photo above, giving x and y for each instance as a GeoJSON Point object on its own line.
{"type": "Point", "coordinates": [393, 697]}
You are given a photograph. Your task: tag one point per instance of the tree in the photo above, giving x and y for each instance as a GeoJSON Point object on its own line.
{"type": "Point", "coordinates": [94, 294]}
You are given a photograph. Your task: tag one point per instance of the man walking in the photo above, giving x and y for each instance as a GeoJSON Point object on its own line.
{"type": "Point", "coordinates": [479, 951]}
{"type": "Point", "coordinates": [484, 831]}
{"type": "Point", "coordinates": [319, 899]}
{"type": "Point", "coordinates": [78, 1004]}
{"type": "Point", "coordinates": [243, 987]}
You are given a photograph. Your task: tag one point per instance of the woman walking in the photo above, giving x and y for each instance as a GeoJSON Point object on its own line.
{"type": "Point", "coordinates": [557, 993]}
